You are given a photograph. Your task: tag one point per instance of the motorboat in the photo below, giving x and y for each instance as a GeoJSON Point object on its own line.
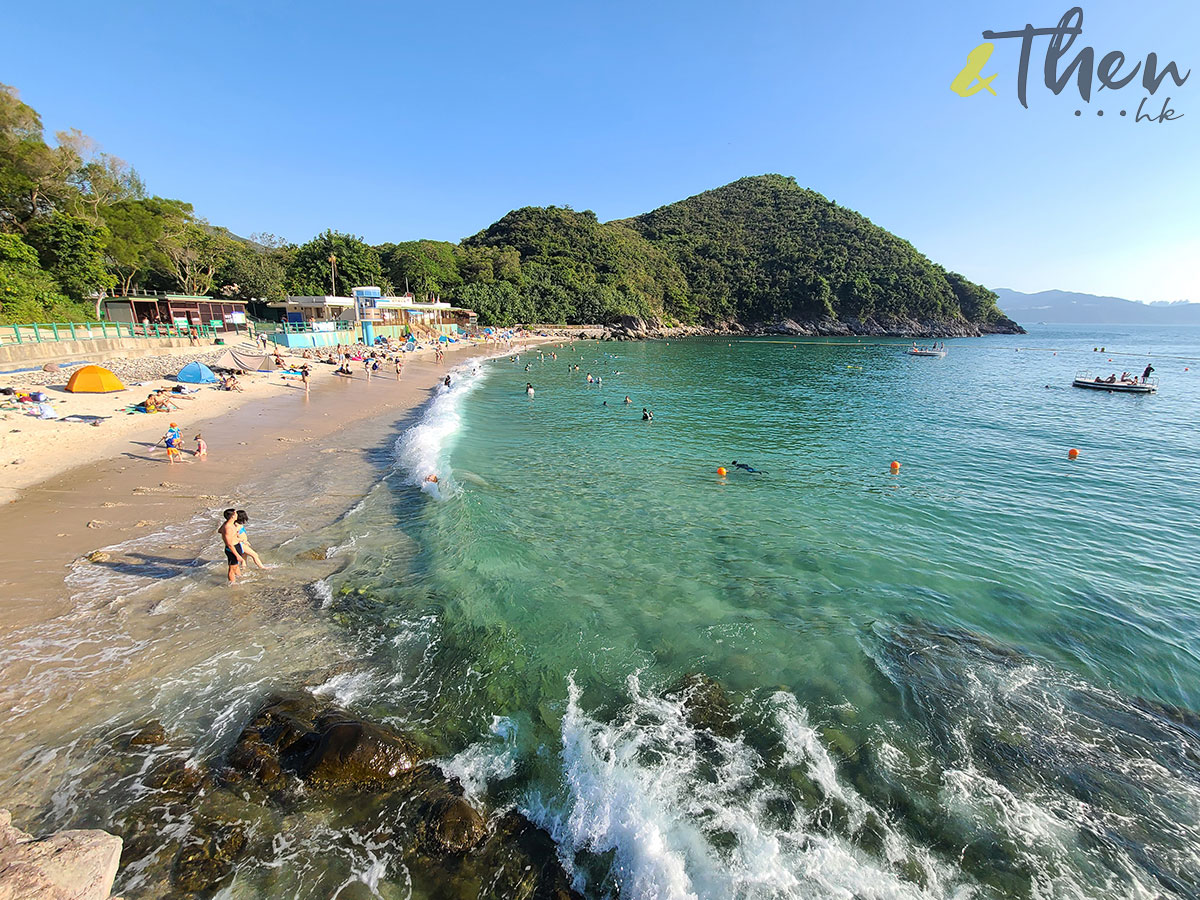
{"type": "Point", "coordinates": [1116, 386]}
{"type": "Point", "coordinates": [925, 351]}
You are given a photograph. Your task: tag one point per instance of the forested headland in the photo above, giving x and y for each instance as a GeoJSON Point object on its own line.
{"type": "Point", "coordinates": [77, 224]}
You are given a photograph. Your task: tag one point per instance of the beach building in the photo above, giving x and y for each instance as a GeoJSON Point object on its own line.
{"type": "Point", "coordinates": [317, 321]}
{"type": "Point", "coordinates": [178, 310]}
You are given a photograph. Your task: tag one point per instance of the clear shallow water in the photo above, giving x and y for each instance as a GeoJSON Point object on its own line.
{"type": "Point", "coordinates": [977, 677]}
{"type": "Point", "coordinates": [971, 676]}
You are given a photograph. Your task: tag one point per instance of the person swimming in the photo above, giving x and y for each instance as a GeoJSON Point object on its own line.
{"type": "Point", "coordinates": [647, 416]}
{"type": "Point", "coordinates": [529, 388]}
{"type": "Point", "coordinates": [746, 468]}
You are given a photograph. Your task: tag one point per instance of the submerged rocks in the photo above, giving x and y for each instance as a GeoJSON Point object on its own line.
{"type": "Point", "coordinates": [705, 703]}
{"type": "Point", "coordinates": [409, 804]}
{"type": "Point", "coordinates": [70, 865]}
{"type": "Point", "coordinates": [325, 748]}
{"type": "Point", "coordinates": [207, 855]}
{"type": "Point", "coordinates": [352, 754]}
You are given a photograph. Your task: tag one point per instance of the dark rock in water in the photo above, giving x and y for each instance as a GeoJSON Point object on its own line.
{"type": "Point", "coordinates": [255, 757]}
{"type": "Point", "coordinates": [152, 734]}
{"type": "Point", "coordinates": [521, 863]}
{"type": "Point", "coordinates": [327, 748]}
{"type": "Point", "coordinates": [208, 855]}
{"type": "Point", "coordinates": [174, 776]}
{"type": "Point", "coordinates": [448, 824]}
{"type": "Point", "coordinates": [706, 704]}
{"type": "Point", "coordinates": [314, 553]}
{"type": "Point", "coordinates": [356, 754]}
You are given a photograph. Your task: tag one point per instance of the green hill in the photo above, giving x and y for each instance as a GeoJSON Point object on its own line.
{"type": "Point", "coordinates": [758, 251]}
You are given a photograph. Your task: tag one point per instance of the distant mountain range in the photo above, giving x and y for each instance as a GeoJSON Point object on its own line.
{"type": "Point", "coordinates": [1088, 309]}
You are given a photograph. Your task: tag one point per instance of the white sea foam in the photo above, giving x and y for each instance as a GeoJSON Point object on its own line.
{"type": "Point", "coordinates": [687, 816]}
{"type": "Point", "coordinates": [491, 759]}
{"type": "Point", "coordinates": [323, 592]}
{"type": "Point", "coordinates": [346, 687]}
{"type": "Point", "coordinates": [424, 449]}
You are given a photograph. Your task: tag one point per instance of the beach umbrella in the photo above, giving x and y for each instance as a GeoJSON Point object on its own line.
{"type": "Point", "coordinates": [94, 380]}
{"type": "Point", "coordinates": [196, 373]}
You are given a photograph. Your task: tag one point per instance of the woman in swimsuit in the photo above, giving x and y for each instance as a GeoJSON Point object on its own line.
{"type": "Point", "coordinates": [243, 546]}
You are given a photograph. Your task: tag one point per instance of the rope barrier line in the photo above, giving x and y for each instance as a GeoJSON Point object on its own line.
{"type": "Point", "coordinates": [989, 347]}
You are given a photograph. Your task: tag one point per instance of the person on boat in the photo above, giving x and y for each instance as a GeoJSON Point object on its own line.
{"type": "Point", "coordinates": [1111, 379]}
{"type": "Point", "coordinates": [1146, 373]}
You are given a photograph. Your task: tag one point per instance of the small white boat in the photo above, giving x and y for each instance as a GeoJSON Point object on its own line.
{"type": "Point", "coordinates": [923, 351]}
{"type": "Point", "coordinates": [1086, 380]}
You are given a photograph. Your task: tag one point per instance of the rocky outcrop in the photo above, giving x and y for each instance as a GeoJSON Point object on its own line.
{"type": "Point", "coordinates": [632, 328]}
{"type": "Point", "coordinates": [70, 865]}
{"type": "Point", "coordinates": [295, 740]}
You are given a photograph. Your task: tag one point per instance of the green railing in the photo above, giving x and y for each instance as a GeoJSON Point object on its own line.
{"type": "Point", "coordinates": [39, 332]}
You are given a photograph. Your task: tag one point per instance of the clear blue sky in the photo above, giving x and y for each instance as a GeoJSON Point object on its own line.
{"type": "Point", "coordinates": [396, 120]}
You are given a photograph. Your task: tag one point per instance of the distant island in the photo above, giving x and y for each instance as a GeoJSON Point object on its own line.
{"type": "Point", "coordinates": [1068, 307]}
{"type": "Point", "coordinates": [760, 254]}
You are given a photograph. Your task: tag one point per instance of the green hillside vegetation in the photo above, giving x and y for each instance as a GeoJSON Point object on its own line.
{"type": "Point", "coordinates": [77, 224]}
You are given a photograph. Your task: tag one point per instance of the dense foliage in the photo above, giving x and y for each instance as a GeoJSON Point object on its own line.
{"type": "Point", "coordinates": [763, 248]}
{"type": "Point", "coordinates": [78, 223]}
{"type": "Point", "coordinates": [757, 250]}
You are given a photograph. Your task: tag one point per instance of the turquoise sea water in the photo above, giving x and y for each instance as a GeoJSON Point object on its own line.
{"type": "Point", "coordinates": [975, 676]}
{"type": "Point", "coordinates": [978, 677]}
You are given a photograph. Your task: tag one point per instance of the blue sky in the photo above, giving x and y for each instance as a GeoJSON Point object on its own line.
{"type": "Point", "coordinates": [396, 121]}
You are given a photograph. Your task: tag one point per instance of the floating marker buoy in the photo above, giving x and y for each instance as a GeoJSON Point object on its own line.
{"type": "Point", "coordinates": [895, 467]}
{"type": "Point", "coordinates": [1072, 453]}
{"type": "Point", "coordinates": [721, 471]}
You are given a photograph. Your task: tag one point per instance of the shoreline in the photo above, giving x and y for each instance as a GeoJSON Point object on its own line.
{"type": "Point", "coordinates": [122, 491]}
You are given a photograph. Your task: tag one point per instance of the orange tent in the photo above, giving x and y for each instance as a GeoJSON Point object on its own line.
{"type": "Point", "coordinates": [94, 380]}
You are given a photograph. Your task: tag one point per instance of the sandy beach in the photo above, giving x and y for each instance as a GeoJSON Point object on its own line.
{"type": "Point", "coordinates": [97, 486]}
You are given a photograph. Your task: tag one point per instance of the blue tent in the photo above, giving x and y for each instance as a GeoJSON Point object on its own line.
{"type": "Point", "coordinates": [196, 373]}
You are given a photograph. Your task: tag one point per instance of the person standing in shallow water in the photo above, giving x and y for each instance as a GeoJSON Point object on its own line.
{"type": "Point", "coordinates": [229, 536]}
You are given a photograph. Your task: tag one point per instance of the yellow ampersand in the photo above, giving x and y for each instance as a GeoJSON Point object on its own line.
{"type": "Point", "coordinates": [969, 81]}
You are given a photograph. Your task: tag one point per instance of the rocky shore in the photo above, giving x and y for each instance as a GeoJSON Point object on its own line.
{"type": "Point", "coordinates": [298, 755]}
{"type": "Point", "coordinates": [632, 328]}
{"type": "Point", "coordinates": [70, 865]}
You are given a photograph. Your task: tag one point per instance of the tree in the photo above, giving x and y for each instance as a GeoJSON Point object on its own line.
{"type": "Point", "coordinates": [27, 292]}
{"type": "Point", "coordinates": [34, 177]}
{"type": "Point", "coordinates": [103, 180]}
{"type": "Point", "coordinates": [424, 267]}
{"type": "Point", "coordinates": [193, 251]}
{"type": "Point", "coordinates": [138, 231]}
{"type": "Point", "coordinates": [309, 275]}
{"type": "Point", "coordinates": [254, 269]}
{"type": "Point", "coordinates": [72, 250]}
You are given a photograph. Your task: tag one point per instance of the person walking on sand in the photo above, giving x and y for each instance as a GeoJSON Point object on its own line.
{"type": "Point", "coordinates": [367, 368]}
{"type": "Point", "coordinates": [228, 532]}
{"type": "Point", "coordinates": [304, 373]}
{"type": "Point", "coordinates": [201, 447]}
{"type": "Point", "coordinates": [399, 367]}
{"type": "Point", "coordinates": [243, 546]}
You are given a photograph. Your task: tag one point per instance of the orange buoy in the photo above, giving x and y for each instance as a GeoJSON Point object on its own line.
{"type": "Point", "coordinates": [895, 466]}
{"type": "Point", "coordinates": [721, 471]}
{"type": "Point", "coordinates": [1072, 453]}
